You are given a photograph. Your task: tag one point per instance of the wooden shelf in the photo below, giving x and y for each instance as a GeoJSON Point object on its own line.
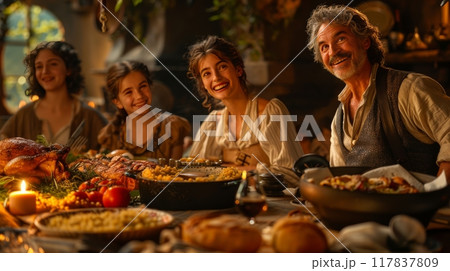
{"type": "Point", "coordinates": [422, 56]}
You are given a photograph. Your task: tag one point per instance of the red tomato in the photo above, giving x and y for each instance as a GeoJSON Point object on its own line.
{"type": "Point", "coordinates": [80, 194]}
{"type": "Point", "coordinates": [116, 196]}
{"type": "Point", "coordinates": [119, 182]}
{"type": "Point", "coordinates": [95, 180]}
{"type": "Point", "coordinates": [95, 196]}
{"type": "Point", "coordinates": [103, 189]}
{"type": "Point", "coordinates": [85, 186]}
{"type": "Point", "coordinates": [104, 183]}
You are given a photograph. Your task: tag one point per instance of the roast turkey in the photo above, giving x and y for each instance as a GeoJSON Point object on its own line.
{"type": "Point", "coordinates": [22, 157]}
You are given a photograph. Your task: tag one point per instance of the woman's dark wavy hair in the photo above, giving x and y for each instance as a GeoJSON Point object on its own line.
{"type": "Point", "coordinates": [224, 50]}
{"type": "Point", "coordinates": [356, 20]}
{"type": "Point", "coordinates": [115, 75]}
{"type": "Point", "coordinates": [74, 81]}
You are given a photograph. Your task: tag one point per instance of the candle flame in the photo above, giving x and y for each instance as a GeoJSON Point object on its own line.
{"type": "Point", "coordinates": [91, 104]}
{"type": "Point", "coordinates": [244, 175]}
{"type": "Point", "coordinates": [23, 186]}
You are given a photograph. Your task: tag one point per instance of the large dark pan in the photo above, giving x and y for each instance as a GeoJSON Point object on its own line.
{"type": "Point", "coordinates": [338, 208]}
{"type": "Point", "coordinates": [164, 195]}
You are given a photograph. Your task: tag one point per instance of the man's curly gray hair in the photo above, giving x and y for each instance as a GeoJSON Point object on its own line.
{"type": "Point", "coordinates": [342, 15]}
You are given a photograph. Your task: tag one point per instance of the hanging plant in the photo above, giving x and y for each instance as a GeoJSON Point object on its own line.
{"type": "Point", "coordinates": [244, 21]}
{"type": "Point", "coordinates": [241, 24]}
{"type": "Point", "coordinates": [138, 13]}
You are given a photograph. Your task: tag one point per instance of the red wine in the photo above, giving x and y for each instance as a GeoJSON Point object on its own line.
{"type": "Point", "coordinates": [250, 207]}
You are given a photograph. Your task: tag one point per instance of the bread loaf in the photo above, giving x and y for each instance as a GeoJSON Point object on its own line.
{"type": "Point", "coordinates": [226, 233]}
{"type": "Point", "coordinates": [293, 234]}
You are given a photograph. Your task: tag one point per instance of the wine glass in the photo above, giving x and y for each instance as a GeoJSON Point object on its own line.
{"type": "Point", "coordinates": [250, 198]}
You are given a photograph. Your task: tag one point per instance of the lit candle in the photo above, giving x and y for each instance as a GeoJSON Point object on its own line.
{"type": "Point", "coordinates": [244, 178]}
{"type": "Point", "coordinates": [22, 202]}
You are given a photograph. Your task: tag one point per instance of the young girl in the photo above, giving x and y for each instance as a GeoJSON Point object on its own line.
{"type": "Point", "coordinates": [218, 70]}
{"type": "Point", "coordinates": [54, 75]}
{"type": "Point", "coordinates": [129, 85]}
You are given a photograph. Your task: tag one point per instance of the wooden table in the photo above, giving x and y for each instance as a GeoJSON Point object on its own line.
{"type": "Point", "coordinates": [277, 207]}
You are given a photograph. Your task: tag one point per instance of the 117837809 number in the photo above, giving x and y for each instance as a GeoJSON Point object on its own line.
{"type": "Point", "coordinates": [404, 262]}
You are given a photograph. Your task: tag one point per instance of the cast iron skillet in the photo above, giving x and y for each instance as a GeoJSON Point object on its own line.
{"type": "Point", "coordinates": [309, 160]}
{"type": "Point", "coordinates": [164, 195]}
{"type": "Point", "coordinates": [338, 208]}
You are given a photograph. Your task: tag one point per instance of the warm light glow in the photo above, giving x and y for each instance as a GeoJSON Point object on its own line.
{"type": "Point", "coordinates": [444, 14]}
{"type": "Point", "coordinates": [21, 80]}
{"type": "Point", "coordinates": [244, 175]}
{"type": "Point", "coordinates": [91, 104]}
{"type": "Point", "coordinates": [22, 103]}
{"type": "Point", "coordinates": [23, 186]}
{"type": "Point", "coordinates": [34, 98]}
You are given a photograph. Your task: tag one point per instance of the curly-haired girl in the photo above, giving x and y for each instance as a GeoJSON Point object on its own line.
{"type": "Point", "coordinates": [53, 72]}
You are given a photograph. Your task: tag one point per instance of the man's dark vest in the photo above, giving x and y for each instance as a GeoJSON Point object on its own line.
{"type": "Point", "coordinates": [372, 148]}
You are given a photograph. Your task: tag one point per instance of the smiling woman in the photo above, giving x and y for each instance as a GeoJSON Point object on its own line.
{"type": "Point", "coordinates": [54, 76]}
{"type": "Point", "coordinates": [244, 133]}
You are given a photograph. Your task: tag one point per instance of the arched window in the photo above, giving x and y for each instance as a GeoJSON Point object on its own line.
{"type": "Point", "coordinates": [27, 26]}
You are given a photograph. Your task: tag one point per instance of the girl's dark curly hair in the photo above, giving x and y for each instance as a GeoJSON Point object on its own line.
{"type": "Point", "coordinates": [222, 49]}
{"type": "Point", "coordinates": [74, 81]}
{"type": "Point", "coordinates": [115, 75]}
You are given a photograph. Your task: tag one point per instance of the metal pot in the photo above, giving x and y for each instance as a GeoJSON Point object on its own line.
{"type": "Point", "coordinates": [339, 208]}
{"type": "Point", "coordinates": [166, 195]}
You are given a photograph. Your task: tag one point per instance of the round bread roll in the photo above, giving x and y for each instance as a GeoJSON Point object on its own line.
{"type": "Point", "coordinates": [189, 225]}
{"type": "Point", "coordinates": [226, 233]}
{"type": "Point", "coordinates": [293, 234]}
